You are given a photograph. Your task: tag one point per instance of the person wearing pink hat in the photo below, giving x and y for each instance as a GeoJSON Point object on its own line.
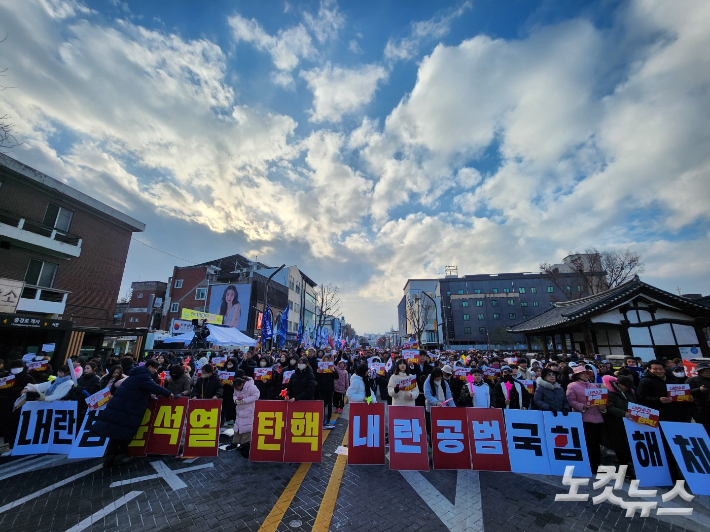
{"type": "Point", "coordinates": [592, 418]}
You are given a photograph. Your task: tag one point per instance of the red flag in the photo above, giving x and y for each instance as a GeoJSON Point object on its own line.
{"type": "Point", "coordinates": [366, 437]}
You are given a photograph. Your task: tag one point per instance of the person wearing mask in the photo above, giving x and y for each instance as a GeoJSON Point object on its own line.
{"type": "Point", "coordinates": [244, 396]}
{"type": "Point", "coordinates": [652, 392]}
{"type": "Point", "coordinates": [55, 390]}
{"type": "Point", "coordinates": [592, 419]}
{"type": "Point", "coordinates": [509, 393]}
{"type": "Point", "coordinates": [476, 394]}
{"type": "Point", "coordinates": [341, 385]}
{"type": "Point", "coordinates": [700, 388]}
{"type": "Point", "coordinates": [359, 388]}
{"type": "Point", "coordinates": [179, 383]}
{"type": "Point", "coordinates": [266, 388]}
{"type": "Point", "coordinates": [401, 397]}
{"type": "Point", "coordinates": [228, 412]}
{"type": "Point", "coordinates": [209, 386]}
{"type": "Point", "coordinates": [123, 414]}
{"type": "Point", "coordinates": [678, 373]}
{"type": "Point", "coordinates": [302, 386]}
{"type": "Point", "coordinates": [423, 370]}
{"type": "Point", "coordinates": [620, 395]}
{"type": "Point", "coordinates": [326, 389]}
{"type": "Point", "coordinates": [549, 395]}
{"type": "Point", "coordinates": [436, 388]}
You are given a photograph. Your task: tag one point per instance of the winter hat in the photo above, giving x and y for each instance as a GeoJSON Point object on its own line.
{"type": "Point", "coordinates": [505, 368]}
{"type": "Point", "coordinates": [547, 371]}
{"type": "Point", "coordinates": [447, 369]}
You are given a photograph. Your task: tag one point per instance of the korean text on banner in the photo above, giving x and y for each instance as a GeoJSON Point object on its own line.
{"type": "Point", "coordinates": [449, 438]}
{"type": "Point", "coordinates": [167, 427]}
{"type": "Point", "coordinates": [489, 448]}
{"type": "Point", "coordinates": [690, 445]}
{"type": "Point", "coordinates": [407, 384]}
{"type": "Point", "coordinates": [644, 415]}
{"type": "Point", "coordinates": [202, 427]}
{"type": "Point", "coordinates": [98, 400]}
{"type": "Point", "coordinates": [188, 314]}
{"type": "Point", "coordinates": [137, 447]}
{"type": "Point", "coordinates": [46, 428]}
{"type": "Point", "coordinates": [596, 397]}
{"type": "Point", "coordinates": [647, 454]}
{"type": "Point", "coordinates": [88, 444]}
{"type": "Point", "coordinates": [566, 444]}
{"type": "Point", "coordinates": [227, 377]}
{"type": "Point", "coordinates": [679, 392]}
{"type": "Point", "coordinates": [461, 373]}
{"type": "Point", "coordinates": [377, 367]}
{"type": "Point", "coordinates": [287, 376]}
{"type": "Point", "coordinates": [366, 437]}
{"type": "Point", "coordinates": [268, 431]}
{"type": "Point", "coordinates": [219, 362]}
{"type": "Point", "coordinates": [41, 365]}
{"type": "Point", "coordinates": [411, 356]}
{"type": "Point", "coordinates": [408, 439]}
{"type": "Point", "coordinates": [263, 374]}
{"type": "Point", "coordinates": [7, 382]}
{"type": "Point", "coordinates": [525, 430]}
{"type": "Point", "coordinates": [304, 431]}
{"type": "Point", "coordinates": [529, 386]}
{"type": "Point", "coordinates": [326, 367]}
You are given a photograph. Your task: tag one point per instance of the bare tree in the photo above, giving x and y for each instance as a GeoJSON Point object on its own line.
{"type": "Point", "coordinates": [594, 271]}
{"type": "Point", "coordinates": [419, 311]}
{"type": "Point", "coordinates": [327, 302]}
{"type": "Point", "coordinates": [7, 138]}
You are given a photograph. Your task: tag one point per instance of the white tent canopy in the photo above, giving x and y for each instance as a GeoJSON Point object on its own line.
{"type": "Point", "coordinates": [218, 336]}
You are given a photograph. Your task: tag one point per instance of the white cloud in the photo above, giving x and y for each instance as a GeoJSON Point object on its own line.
{"type": "Point", "coordinates": [422, 31]}
{"type": "Point", "coordinates": [326, 24]}
{"type": "Point", "coordinates": [354, 47]}
{"type": "Point", "coordinates": [338, 91]}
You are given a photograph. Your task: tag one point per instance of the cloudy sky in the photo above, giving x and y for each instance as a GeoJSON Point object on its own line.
{"type": "Point", "coordinates": [373, 141]}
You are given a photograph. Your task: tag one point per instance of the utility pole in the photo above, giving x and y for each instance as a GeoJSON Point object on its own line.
{"type": "Point", "coordinates": [266, 297]}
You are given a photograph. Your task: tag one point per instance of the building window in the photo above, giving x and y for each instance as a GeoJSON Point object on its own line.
{"type": "Point", "coordinates": [467, 330]}
{"type": "Point", "coordinates": [533, 290]}
{"type": "Point", "coordinates": [298, 288]}
{"type": "Point", "coordinates": [494, 302]}
{"type": "Point", "coordinates": [495, 290]}
{"type": "Point", "coordinates": [57, 217]}
{"type": "Point", "coordinates": [482, 330]}
{"type": "Point", "coordinates": [200, 294]}
{"type": "Point", "coordinates": [481, 316]}
{"type": "Point", "coordinates": [579, 288]}
{"type": "Point", "coordinates": [525, 317]}
{"type": "Point", "coordinates": [178, 283]}
{"type": "Point", "coordinates": [536, 304]}
{"type": "Point", "coordinates": [569, 288]}
{"type": "Point", "coordinates": [506, 290]}
{"type": "Point", "coordinates": [174, 307]}
{"type": "Point", "coordinates": [140, 295]}
{"type": "Point", "coordinates": [448, 293]}
{"type": "Point", "coordinates": [511, 316]}
{"type": "Point", "coordinates": [550, 289]}
{"type": "Point", "coordinates": [523, 303]}
{"type": "Point", "coordinates": [466, 317]}
{"type": "Point", "coordinates": [477, 291]}
{"type": "Point", "coordinates": [496, 316]}
{"type": "Point", "coordinates": [464, 303]}
{"type": "Point", "coordinates": [521, 290]}
{"type": "Point", "coordinates": [479, 303]}
{"type": "Point", "coordinates": [460, 292]}
{"type": "Point", "coordinates": [41, 273]}
{"type": "Point", "coordinates": [511, 302]}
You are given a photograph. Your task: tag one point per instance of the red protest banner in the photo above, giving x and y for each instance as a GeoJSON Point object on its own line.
{"type": "Point", "coordinates": [449, 438]}
{"type": "Point", "coordinates": [137, 447]}
{"type": "Point", "coordinates": [202, 432]}
{"type": "Point", "coordinates": [461, 373]}
{"type": "Point", "coordinates": [304, 431]}
{"type": "Point", "coordinates": [268, 431]}
{"type": "Point", "coordinates": [377, 367]}
{"type": "Point", "coordinates": [263, 374]}
{"type": "Point", "coordinates": [691, 368]}
{"type": "Point", "coordinates": [227, 377]}
{"type": "Point", "coordinates": [326, 367]}
{"type": "Point", "coordinates": [679, 392]}
{"type": "Point", "coordinates": [407, 384]}
{"type": "Point", "coordinates": [167, 426]}
{"type": "Point", "coordinates": [489, 448]}
{"type": "Point", "coordinates": [408, 445]}
{"type": "Point", "coordinates": [596, 396]}
{"type": "Point", "coordinates": [37, 366]}
{"type": "Point", "coordinates": [644, 415]}
{"type": "Point", "coordinates": [99, 399]}
{"type": "Point", "coordinates": [366, 437]}
{"type": "Point", "coordinates": [411, 356]}
{"type": "Point", "coordinates": [7, 382]}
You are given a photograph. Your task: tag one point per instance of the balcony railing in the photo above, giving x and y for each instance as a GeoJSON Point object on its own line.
{"type": "Point", "coordinates": [42, 300]}
{"type": "Point", "coordinates": [15, 220]}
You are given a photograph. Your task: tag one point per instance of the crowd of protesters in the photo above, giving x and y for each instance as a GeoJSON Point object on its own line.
{"type": "Point", "coordinates": [555, 383]}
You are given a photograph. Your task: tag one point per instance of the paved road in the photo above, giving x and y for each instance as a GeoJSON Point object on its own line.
{"type": "Point", "coordinates": [50, 493]}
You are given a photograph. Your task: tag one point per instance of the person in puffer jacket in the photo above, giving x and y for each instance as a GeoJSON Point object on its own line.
{"type": "Point", "coordinates": [341, 385]}
{"type": "Point", "coordinates": [402, 397]}
{"type": "Point", "coordinates": [245, 395]}
{"type": "Point", "coordinates": [549, 395]}
{"type": "Point", "coordinates": [592, 419]}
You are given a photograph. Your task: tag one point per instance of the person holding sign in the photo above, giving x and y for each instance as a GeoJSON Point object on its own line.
{"type": "Point", "coordinates": [620, 395]}
{"type": "Point", "coordinates": [302, 385]}
{"type": "Point", "coordinates": [476, 392]}
{"type": "Point", "coordinates": [653, 393]}
{"type": "Point", "coordinates": [700, 388]}
{"type": "Point", "coordinates": [592, 419]}
{"type": "Point", "coordinates": [402, 386]}
{"type": "Point", "coordinates": [325, 378]}
{"type": "Point", "coordinates": [209, 386]}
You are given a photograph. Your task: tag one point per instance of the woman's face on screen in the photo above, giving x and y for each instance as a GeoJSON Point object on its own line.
{"type": "Point", "coordinates": [229, 296]}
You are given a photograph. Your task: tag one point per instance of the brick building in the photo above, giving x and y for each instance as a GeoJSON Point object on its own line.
{"type": "Point", "coordinates": [145, 308]}
{"type": "Point", "coordinates": [65, 250]}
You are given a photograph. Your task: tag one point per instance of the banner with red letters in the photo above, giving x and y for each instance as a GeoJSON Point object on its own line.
{"type": "Point", "coordinates": [449, 438]}
{"type": "Point", "coordinates": [366, 435]}
{"type": "Point", "coordinates": [304, 432]}
{"type": "Point", "coordinates": [202, 427]}
{"type": "Point", "coordinates": [489, 447]}
{"type": "Point", "coordinates": [166, 428]}
{"type": "Point", "coordinates": [268, 431]}
{"type": "Point", "coordinates": [408, 438]}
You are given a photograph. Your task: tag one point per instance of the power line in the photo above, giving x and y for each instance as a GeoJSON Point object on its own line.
{"type": "Point", "coordinates": [159, 250]}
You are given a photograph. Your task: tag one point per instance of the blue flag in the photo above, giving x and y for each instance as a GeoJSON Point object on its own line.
{"type": "Point", "coordinates": [283, 327]}
{"type": "Point", "coordinates": [299, 340]}
{"type": "Point", "coordinates": [266, 329]}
